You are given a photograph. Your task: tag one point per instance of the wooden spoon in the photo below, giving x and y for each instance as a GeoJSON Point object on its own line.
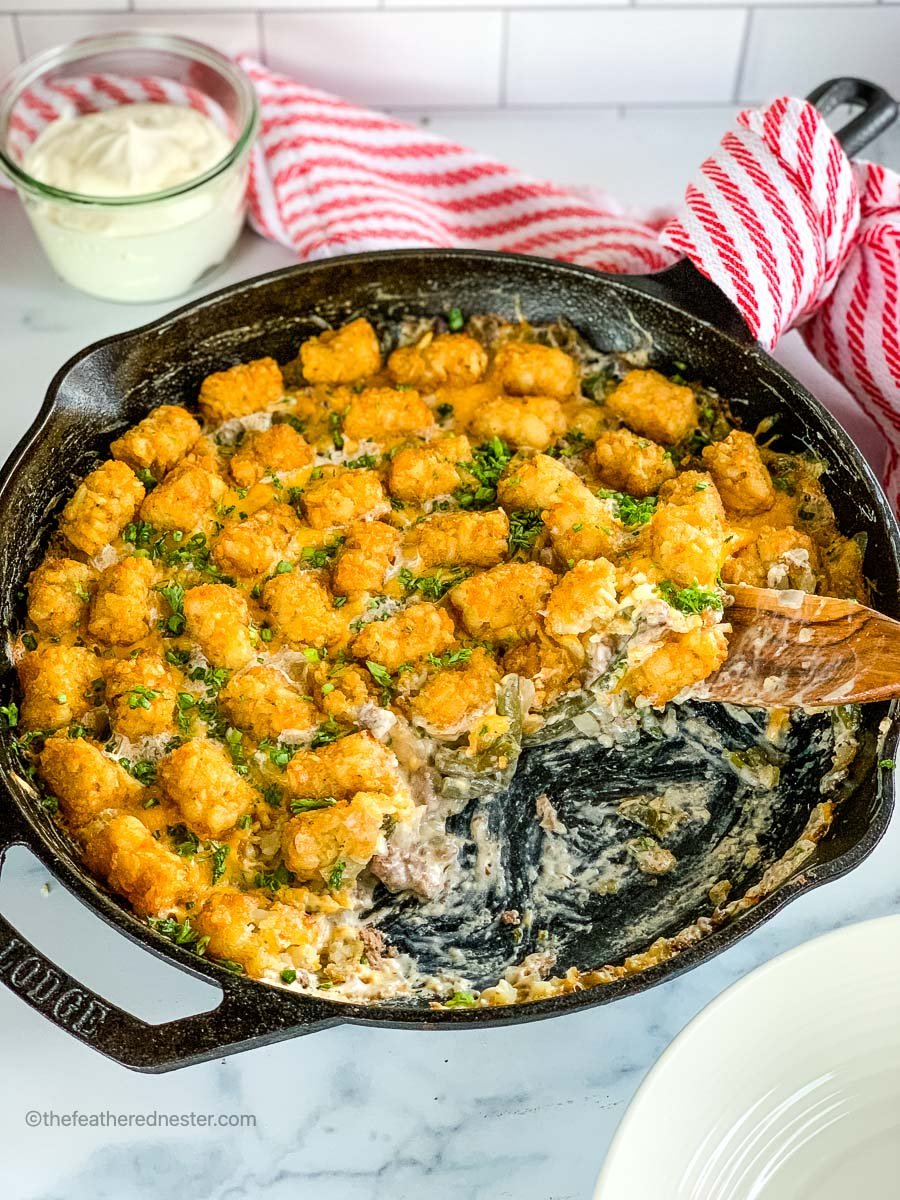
{"type": "Point", "coordinates": [789, 649]}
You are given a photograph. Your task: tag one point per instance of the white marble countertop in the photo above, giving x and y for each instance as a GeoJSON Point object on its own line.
{"type": "Point", "coordinates": [520, 1113]}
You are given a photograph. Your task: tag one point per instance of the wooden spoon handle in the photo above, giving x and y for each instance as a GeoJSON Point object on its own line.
{"type": "Point", "coordinates": [791, 649]}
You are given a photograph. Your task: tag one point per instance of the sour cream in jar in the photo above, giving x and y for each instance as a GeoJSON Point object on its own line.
{"type": "Point", "coordinates": [109, 236]}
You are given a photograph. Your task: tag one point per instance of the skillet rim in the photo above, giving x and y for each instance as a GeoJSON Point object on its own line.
{"type": "Point", "coordinates": [661, 291]}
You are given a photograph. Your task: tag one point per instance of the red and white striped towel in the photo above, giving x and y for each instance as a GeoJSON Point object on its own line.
{"type": "Point", "coordinates": [778, 218]}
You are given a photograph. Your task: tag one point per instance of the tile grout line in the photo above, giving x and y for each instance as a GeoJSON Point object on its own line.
{"type": "Point", "coordinates": [504, 60]}
{"type": "Point", "coordinates": [742, 58]}
{"type": "Point", "coordinates": [261, 37]}
{"type": "Point", "coordinates": [598, 6]}
{"type": "Point", "coordinates": [17, 34]}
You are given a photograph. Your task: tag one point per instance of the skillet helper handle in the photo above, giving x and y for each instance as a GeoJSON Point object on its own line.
{"type": "Point", "coordinates": [684, 284]}
{"type": "Point", "coordinates": [879, 110]}
{"type": "Point", "coordinates": [248, 1014]}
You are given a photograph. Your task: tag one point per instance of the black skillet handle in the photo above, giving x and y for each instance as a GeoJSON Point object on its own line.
{"type": "Point", "coordinates": [690, 289]}
{"type": "Point", "coordinates": [248, 1014]}
{"type": "Point", "coordinates": [879, 110]}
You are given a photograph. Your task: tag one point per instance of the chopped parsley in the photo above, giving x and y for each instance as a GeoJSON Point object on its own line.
{"type": "Point", "coordinates": [630, 510]}
{"type": "Point", "coordinates": [234, 741]}
{"type": "Point", "coordinates": [278, 754]}
{"type": "Point", "coordinates": [573, 443]}
{"type": "Point", "coordinates": [688, 599]}
{"type": "Point", "coordinates": [455, 320]}
{"type": "Point", "coordinates": [432, 587]}
{"type": "Point", "coordinates": [142, 770]}
{"type": "Point", "coordinates": [886, 764]}
{"type": "Point", "coordinates": [141, 697]}
{"type": "Point", "coordinates": [451, 658]}
{"type": "Point", "coordinates": [335, 428]}
{"type": "Point", "coordinates": [524, 526]}
{"type": "Point", "coordinates": [288, 975]}
{"type": "Point", "coordinates": [336, 876]}
{"type": "Point", "coordinates": [594, 387]}
{"type": "Point", "coordinates": [329, 731]}
{"type": "Point", "coordinates": [187, 844]}
{"type": "Point", "coordinates": [320, 556]}
{"type": "Point", "coordinates": [461, 1000]}
{"type": "Point", "coordinates": [273, 880]}
{"type": "Point", "coordinates": [365, 462]}
{"type": "Point", "coordinates": [382, 677]}
{"type": "Point", "coordinates": [173, 594]}
{"type": "Point", "coordinates": [273, 795]}
{"type": "Point", "coordinates": [172, 549]}
{"type": "Point", "coordinates": [305, 804]}
{"type": "Point", "coordinates": [217, 855]}
{"type": "Point", "coordinates": [179, 932]}
{"type": "Point", "coordinates": [147, 479]}
{"type": "Point", "coordinates": [29, 641]}
{"type": "Point", "coordinates": [489, 461]}
{"type": "Point", "coordinates": [10, 714]}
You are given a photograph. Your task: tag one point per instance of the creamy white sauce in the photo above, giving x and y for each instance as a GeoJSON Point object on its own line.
{"type": "Point", "coordinates": [144, 251]}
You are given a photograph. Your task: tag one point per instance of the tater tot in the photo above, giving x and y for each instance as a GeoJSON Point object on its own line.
{"type": "Point", "coordinates": [784, 557]}
{"type": "Point", "coordinates": [218, 619]}
{"type": "Point", "coordinates": [342, 498]}
{"type": "Point", "coordinates": [632, 464]}
{"type": "Point", "coordinates": [241, 390]}
{"type": "Point", "coordinates": [454, 696]}
{"type": "Point", "coordinates": [528, 369]}
{"type": "Point", "coordinates": [409, 635]}
{"type": "Point", "coordinates": [686, 533]}
{"type": "Point", "coordinates": [365, 557]}
{"type": "Point", "coordinates": [584, 600]}
{"type": "Point", "coordinates": [654, 407]}
{"type": "Point", "coordinates": [341, 690]}
{"type": "Point", "coordinates": [260, 934]}
{"type": "Point", "coordinates": [501, 605]}
{"type": "Point", "coordinates": [123, 606]}
{"type": "Point", "coordinates": [583, 526]}
{"type": "Point", "coordinates": [478, 539]}
{"type": "Point", "coordinates": [301, 609]}
{"type": "Point", "coordinates": [257, 544]}
{"type": "Point", "coordinates": [348, 833]}
{"type": "Point", "coordinates": [185, 499]}
{"type": "Point", "coordinates": [450, 358]}
{"type": "Point", "coordinates": [550, 667]}
{"type": "Point", "coordinates": [420, 473]}
{"type": "Point", "coordinates": [101, 507]}
{"type": "Point", "coordinates": [158, 442]}
{"type": "Point", "coordinates": [683, 660]}
{"type": "Point", "coordinates": [58, 685]}
{"type": "Point", "coordinates": [200, 780]}
{"type": "Point", "coordinates": [349, 765]}
{"type": "Point", "coordinates": [740, 475]}
{"type": "Point", "coordinates": [533, 422]}
{"type": "Point", "coordinates": [537, 483]}
{"type": "Point", "coordinates": [274, 451]}
{"type": "Point", "coordinates": [135, 865]}
{"type": "Point", "coordinates": [140, 695]}
{"type": "Point", "coordinates": [265, 703]}
{"type": "Point", "coordinates": [342, 355]}
{"type": "Point", "coordinates": [58, 593]}
{"type": "Point", "coordinates": [85, 780]}
{"type": "Point", "coordinates": [381, 414]}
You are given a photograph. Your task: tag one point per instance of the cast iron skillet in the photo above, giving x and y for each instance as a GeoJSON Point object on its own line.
{"type": "Point", "coordinates": [115, 382]}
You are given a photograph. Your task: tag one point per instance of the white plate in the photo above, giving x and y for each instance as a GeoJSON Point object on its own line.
{"type": "Point", "coordinates": [786, 1087]}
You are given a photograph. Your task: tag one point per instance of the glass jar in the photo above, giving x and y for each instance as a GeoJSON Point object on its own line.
{"type": "Point", "coordinates": [145, 247]}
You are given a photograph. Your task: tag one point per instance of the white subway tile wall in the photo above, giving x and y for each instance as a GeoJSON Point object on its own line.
{"type": "Point", "coordinates": [511, 55]}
